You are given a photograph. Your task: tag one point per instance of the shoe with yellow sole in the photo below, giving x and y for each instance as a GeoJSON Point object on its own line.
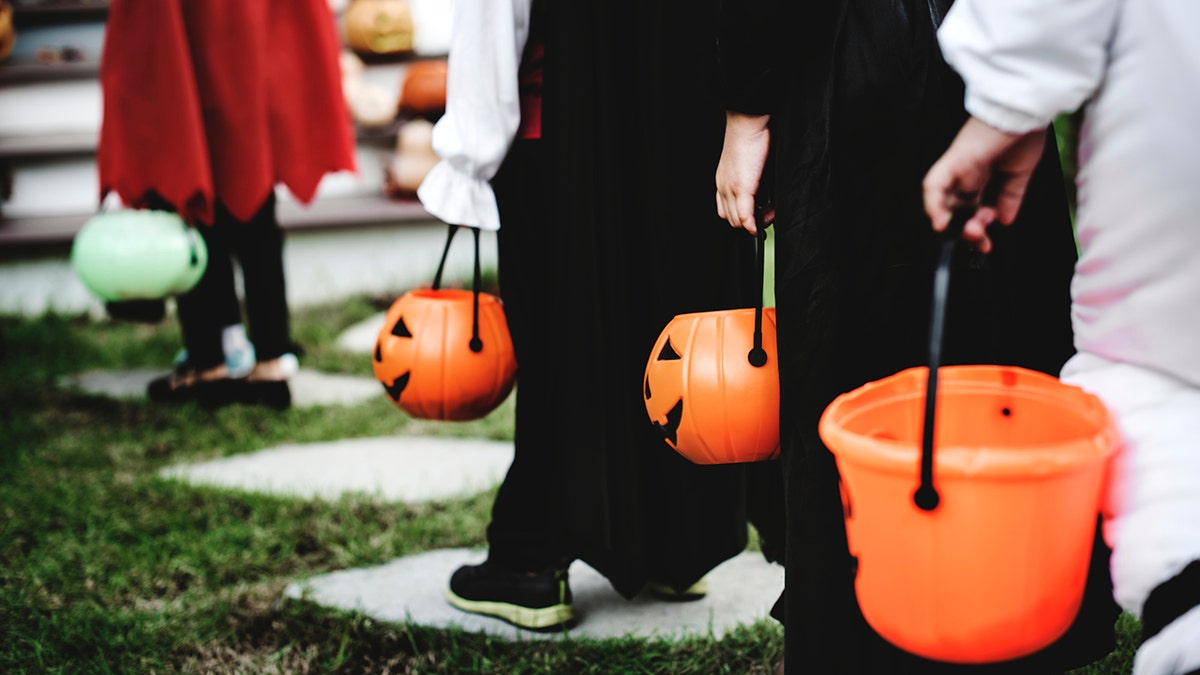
{"type": "Point", "coordinates": [538, 601]}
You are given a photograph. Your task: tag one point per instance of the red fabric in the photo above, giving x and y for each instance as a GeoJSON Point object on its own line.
{"type": "Point", "coordinates": [221, 100]}
{"type": "Point", "coordinates": [530, 87]}
{"type": "Point", "coordinates": [530, 73]}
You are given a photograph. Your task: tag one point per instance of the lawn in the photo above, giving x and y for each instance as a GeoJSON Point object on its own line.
{"type": "Point", "coordinates": [105, 567]}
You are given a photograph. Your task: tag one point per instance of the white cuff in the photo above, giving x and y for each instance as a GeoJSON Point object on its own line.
{"type": "Point", "coordinates": [458, 199]}
{"type": "Point", "coordinates": [1002, 117]}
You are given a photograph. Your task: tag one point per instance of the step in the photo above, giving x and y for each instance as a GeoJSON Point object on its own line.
{"type": "Point", "coordinates": [326, 213]}
{"type": "Point", "coordinates": [55, 44]}
{"type": "Point", "coordinates": [321, 265]}
{"type": "Point", "coordinates": [52, 196]}
{"type": "Point", "coordinates": [42, 117]}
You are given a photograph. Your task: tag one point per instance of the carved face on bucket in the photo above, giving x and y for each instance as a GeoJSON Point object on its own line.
{"type": "Point", "coordinates": [712, 401]}
{"type": "Point", "coordinates": [431, 363]}
{"type": "Point", "coordinates": [665, 370]}
{"type": "Point", "coordinates": [395, 385]}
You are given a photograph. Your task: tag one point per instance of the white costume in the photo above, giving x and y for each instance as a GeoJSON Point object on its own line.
{"type": "Point", "coordinates": [1134, 65]}
{"type": "Point", "coordinates": [483, 111]}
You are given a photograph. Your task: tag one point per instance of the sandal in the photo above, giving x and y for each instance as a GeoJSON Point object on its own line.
{"type": "Point", "coordinates": [184, 385]}
{"type": "Point", "coordinates": [275, 394]}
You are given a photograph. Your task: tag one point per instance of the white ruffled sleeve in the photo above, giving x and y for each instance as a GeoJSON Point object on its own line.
{"type": "Point", "coordinates": [483, 111]}
{"type": "Point", "coordinates": [1025, 61]}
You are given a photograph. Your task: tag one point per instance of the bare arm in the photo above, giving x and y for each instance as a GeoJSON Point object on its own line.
{"type": "Point", "coordinates": [981, 156]}
{"type": "Point", "coordinates": [743, 157]}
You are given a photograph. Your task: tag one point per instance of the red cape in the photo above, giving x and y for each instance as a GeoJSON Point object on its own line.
{"type": "Point", "coordinates": [221, 100]}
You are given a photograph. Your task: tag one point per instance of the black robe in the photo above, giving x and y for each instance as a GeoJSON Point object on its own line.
{"type": "Point", "coordinates": [631, 134]}
{"type": "Point", "coordinates": [862, 104]}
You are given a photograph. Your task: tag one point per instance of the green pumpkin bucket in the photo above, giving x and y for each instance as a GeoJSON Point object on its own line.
{"type": "Point", "coordinates": [138, 255]}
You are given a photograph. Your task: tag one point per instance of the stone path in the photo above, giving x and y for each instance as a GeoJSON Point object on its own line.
{"type": "Point", "coordinates": [398, 469]}
{"type": "Point", "coordinates": [412, 589]}
{"type": "Point", "coordinates": [413, 469]}
{"type": "Point", "coordinates": [309, 387]}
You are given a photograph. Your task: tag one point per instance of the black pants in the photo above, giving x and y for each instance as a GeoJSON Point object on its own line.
{"type": "Point", "coordinates": [522, 534]}
{"type": "Point", "coordinates": [205, 311]}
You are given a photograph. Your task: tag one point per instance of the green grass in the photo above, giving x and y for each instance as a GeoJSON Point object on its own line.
{"type": "Point", "coordinates": [106, 567]}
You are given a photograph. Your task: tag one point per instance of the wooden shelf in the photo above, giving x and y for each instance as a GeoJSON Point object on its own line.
{"type": "Point", "coordinates": [40, 13]}
{"type": "Point", "coordinates": [51, 71]}
{"type": "Point", "coordinates": [328, 214]}
{"type": "Point", "coordinates": [55, 45]}
{"type": "Point", "coordinates": [45, 145]}
{"type": "Point", "coordinates": [84, 143]}
{"type": "Point", "coordinates": [336, 212]}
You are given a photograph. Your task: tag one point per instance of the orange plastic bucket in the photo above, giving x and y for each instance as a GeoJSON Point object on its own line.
{"type": "Point", "coordinates": [996, 570]}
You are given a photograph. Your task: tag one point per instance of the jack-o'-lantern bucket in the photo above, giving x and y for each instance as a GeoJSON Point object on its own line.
{"type": "Point", "coordinates": [712, 383]}
{"type": "Point", "coordinates": [423, 91]}
{"type": "Point", "coordinates": [979, 552]}
{"type": "Point", "coordinates": [8, 36]}
{"type": "Point", "coordinates": [378, 27]}
{"type": "Point", "coordinates": [446, 354]}
{"type": "Point", "coordinates": [134, 254]}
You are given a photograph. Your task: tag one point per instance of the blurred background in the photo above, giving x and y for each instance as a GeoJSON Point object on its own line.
{"type": "Point", "coordinates": [364, 233]}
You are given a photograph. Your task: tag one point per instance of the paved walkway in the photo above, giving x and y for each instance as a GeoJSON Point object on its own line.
{"type": "Point", "coordinates": [398, 469]}
{"type": "Point", "coordinates": [413, 469]}
{"type": "Point", "coordinates": [412, 589]}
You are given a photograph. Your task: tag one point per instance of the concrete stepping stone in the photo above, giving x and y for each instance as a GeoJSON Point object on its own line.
{"type": "Point", "coordinates": [360, 338]}
{"type": "Point", "coordinates": [412, 590]}
{"type": "Point", "coordinates": [111, 383]}
{"type": "Point", "coordinates": [309, 387]}
{"type": "Point", "coordinates": [312, 388]}
{"type": "Point", "coordinates": [399, 468]}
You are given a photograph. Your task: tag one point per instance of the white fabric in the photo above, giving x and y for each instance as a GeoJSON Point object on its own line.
{"type": "Point", "coordinates": [1152, 506]}
{"type": "Point", "coordinates": [1024, 61]}
{"type": "Point", "coordinates": [1136, 64]}
{"type": "Point", "coordinates": [1168, 652]}
{"type": "Point", "coordinates": [483, 111]}
{"type": "Point", "coordinates": [1153, 500]}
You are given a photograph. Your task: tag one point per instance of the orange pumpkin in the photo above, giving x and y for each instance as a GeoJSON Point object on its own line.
{"type": "Point", "coordinates": [413, 160]}
{"type": "Point", "coordinates": [379, 27]}
{"type": "Point", "coordinates": [432, 361]}
{"type": "Point", "coordinates": [423, 91]}
{"type": "Point", "coordinates": [8, 36]}
{"type": "Point", "coordinates": [701, 390]}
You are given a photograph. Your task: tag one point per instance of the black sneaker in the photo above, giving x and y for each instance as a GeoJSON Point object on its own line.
{"type": "Point", "coordinates": [696, 591]}
{"type": "Point", "coordinates": [537, 602]}
{"type": "Point", "coordinates": [275, 394]}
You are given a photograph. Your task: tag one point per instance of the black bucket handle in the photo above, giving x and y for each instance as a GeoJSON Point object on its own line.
{"type": "Point", "coordinates": [476, 343]}
{"type": "Point", "coordinates": [758, 356]}
{"type": "Point", "coordinates": [926, 496]}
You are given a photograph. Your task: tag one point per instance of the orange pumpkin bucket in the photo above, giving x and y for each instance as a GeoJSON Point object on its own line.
{"type": "Point", "coordinates": [446, 354]}
{"type": "Point", "coordinates": [980, 552]}
{"type": "Point", "coordinates": [423, 91]}
{"type": "Point", "coordinates": [425, 359]}
{"type": "Point", "coordinates": [712, 404]}
{"type": "Point", "coordinates": [712, 383]}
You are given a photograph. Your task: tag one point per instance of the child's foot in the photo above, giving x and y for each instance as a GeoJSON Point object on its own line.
{"type": "Point", "coordinates": [267, 383]}
{"type": "Point", "coordinates": [208, 387]}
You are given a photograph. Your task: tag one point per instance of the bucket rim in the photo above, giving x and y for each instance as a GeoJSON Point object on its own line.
{"type": "Point", "coordinates": [733, 311]}
{"type": "Point", "coordinates": [976, 460]}
{"type": "Point", "coordinates": [449, 294]}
